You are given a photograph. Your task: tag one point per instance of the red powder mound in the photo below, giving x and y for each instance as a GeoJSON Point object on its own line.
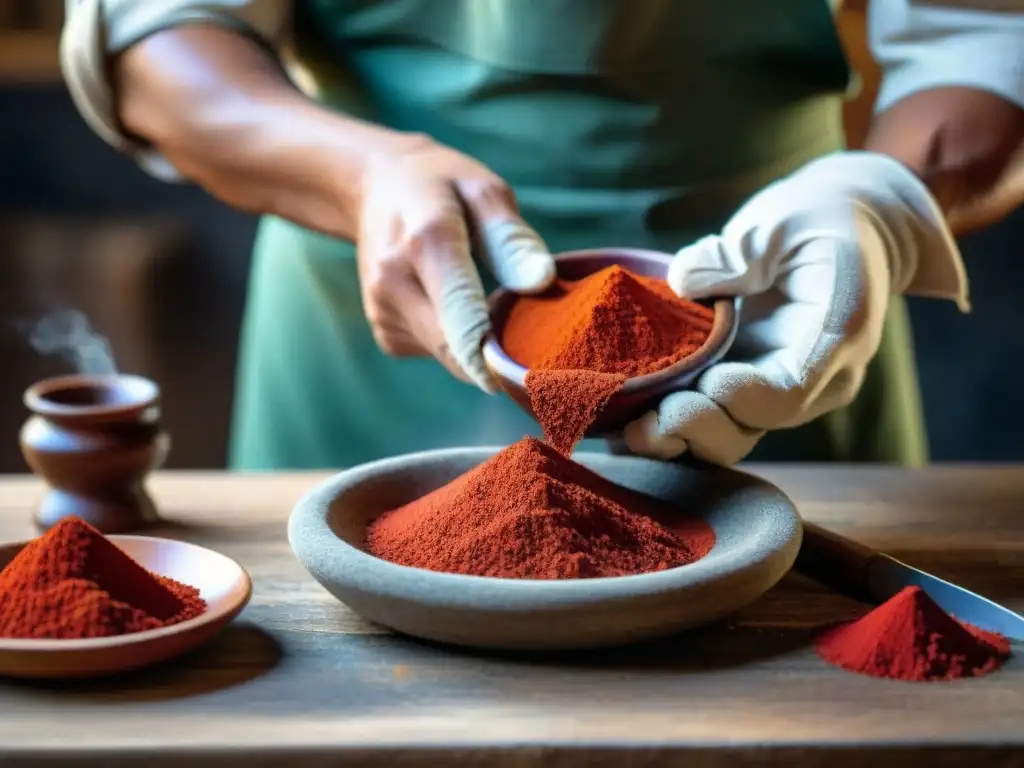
{"type": "Point", "coordinates": [582, 339]}
{"type": "Point", "coordinates": [74, 583]}
{"type": "Point", "coordinates": [531, 513]}
{"type": "Point", "coordinates": [612, 321]}
{"type": "Point", "coordinates": [568, 402]}
{"type": "Point", "coordinates": [911, 638]}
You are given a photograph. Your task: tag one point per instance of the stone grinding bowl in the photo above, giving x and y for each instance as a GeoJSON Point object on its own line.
{"type": "Point", "coordinates": [757, 528]}
{"type": "Point", "coordinates": [639, 393]}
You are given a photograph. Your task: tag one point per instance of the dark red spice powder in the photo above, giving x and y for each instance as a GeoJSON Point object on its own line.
{"type": "Point", "coordinates": [568, 402]}
{"type": "Point", "coordinates": [911, 638]}
{"type": "Point", "coordinates": [531, 513]}
{"type": "Point", "coordinates": [582, 340]}
{"type": "Point", "coordinates": [74, 583]}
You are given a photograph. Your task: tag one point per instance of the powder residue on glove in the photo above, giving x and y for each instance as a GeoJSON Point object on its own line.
{"type": "Point", "coordinates": [911, 638]}
{"type": "Point", "coordinates": [531, 513]}
{"type": "Point", "coordinates": [581, 340]}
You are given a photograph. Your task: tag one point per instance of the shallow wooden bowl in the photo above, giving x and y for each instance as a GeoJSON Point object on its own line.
{"type": "Point", "coordinates": [639, 393]}
{"type": "Point", "coordinates": [757, 528]}
{"type": "Point", "coordinates": [221, 581]}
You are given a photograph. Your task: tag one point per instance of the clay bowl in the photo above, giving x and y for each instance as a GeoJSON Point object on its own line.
{"type": "Point", "coordinates": [221, 581]}
{"type": "Point", "coordinates": [640, 393]}
{"type": "Point", "coordinates": [758, 535]}
{"type": "Point", "coordinates": [94, 439]}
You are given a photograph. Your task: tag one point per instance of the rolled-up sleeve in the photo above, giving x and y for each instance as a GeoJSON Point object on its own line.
{"type": "Point", "coordinates": [921, 44]}
{"type": "Point", "coordinates": [96, 29]}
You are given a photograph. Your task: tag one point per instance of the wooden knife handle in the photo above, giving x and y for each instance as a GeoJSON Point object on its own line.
{"type": "Point", "coordinates": [835, 562]}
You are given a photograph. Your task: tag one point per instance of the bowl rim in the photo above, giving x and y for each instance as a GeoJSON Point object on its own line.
{"type": "Point", "coordinates": [223, 613]}
{"type": "Point", "coordinates": [144, 393]}
{"type": "Point", "coordinates": [719, 340]}
{"type": "Point", "coordinates": [309, 525]}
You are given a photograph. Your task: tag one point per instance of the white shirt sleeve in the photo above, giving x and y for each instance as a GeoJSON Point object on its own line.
{"type": "Point", "coordinates": [922, 44]}
{"type": "Point", "coordinates": [95, 29]}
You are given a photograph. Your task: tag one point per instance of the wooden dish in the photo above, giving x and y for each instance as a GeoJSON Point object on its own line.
{"type": "Point", "coordinates": [757, 528]}
{"type": "Point", "coordinates": [222, 582]}
{"type": "Point", "coordinates": [639, 393]}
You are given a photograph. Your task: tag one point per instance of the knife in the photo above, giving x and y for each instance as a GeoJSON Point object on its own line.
{"type": "Point", "coordinates": [856, 571]}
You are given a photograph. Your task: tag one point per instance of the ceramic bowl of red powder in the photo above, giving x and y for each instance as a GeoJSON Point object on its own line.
{"type": "Point", "coordinates": [410, 543]}
{"type": "Point", "coordinates": [611, 314]}
{"type": "Point", "coordinates": [75, 603]}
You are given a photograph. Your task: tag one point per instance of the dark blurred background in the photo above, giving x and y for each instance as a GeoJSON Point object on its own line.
{"type": "Point", "coordinates": [161, 270]}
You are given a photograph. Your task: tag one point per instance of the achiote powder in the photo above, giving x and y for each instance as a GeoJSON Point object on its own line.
{"type": "Point", "coordinates": [531, 513]}
{"type": "Point", "coordinates": [582, 340]}
{"type": "Point", "coordinates": [911, 638]}
{"type": "Point", "coordinates": [73, 583]}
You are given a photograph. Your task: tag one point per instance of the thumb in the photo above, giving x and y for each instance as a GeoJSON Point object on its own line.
{"type": "Point", "coordinates": [714, 267]}
{"type": "Point", "coordinates": [515, 255]}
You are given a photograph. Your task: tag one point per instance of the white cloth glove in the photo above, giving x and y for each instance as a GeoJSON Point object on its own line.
{"type": "Point", "coordinates": [816, 256]}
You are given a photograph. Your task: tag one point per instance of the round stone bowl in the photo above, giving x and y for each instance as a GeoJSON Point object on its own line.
{"type": "Point", "coordinates": [757, 528]}
{"type": "Point", "coordinates": [639, 393]}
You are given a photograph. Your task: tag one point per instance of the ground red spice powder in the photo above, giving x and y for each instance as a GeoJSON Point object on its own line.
{"type": "Point", "coordinates": [531, 513]}
{"type": "Point", "coordinates": [566, 403]}
{"type": "Point", "coordinates": [73, 583]}
{"type": "Point", "coordinates": [583, 339]}
{"type": "Point", "coordinates": [911, 638]}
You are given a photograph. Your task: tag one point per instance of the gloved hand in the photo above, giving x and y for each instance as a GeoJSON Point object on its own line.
{"type": "Point", "coordinates": [816, 256]}
{"type": "Point", "coordinates": [424, 208]}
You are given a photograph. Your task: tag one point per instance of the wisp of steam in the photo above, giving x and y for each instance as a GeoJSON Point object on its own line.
{"type": "Point", "coordinates": [67, 333]}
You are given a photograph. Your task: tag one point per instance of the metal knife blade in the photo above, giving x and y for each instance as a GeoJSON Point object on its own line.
{"type": "Point", "coordinates": [886, 576]}
{"type": "Point", "coordinates": [854, 570]}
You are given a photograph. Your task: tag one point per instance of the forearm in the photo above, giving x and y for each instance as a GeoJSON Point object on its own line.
{"type": "Point", "coordinates": [951, 101]}
{"type": "Point", "coordinates": [965, 144]}
{"type": "Point", "coordinates": [219, 107]}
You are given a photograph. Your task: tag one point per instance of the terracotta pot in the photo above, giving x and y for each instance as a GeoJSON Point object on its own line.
{"type": "Point", "coordinates": [94, 439]}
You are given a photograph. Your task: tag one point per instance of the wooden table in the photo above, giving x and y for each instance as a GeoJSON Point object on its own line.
{"type": "Point", "coordinates": [299, 680]}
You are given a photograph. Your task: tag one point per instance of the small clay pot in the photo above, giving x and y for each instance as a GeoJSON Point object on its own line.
{"type": "Point", "coordinates": [94, 439]}
{"type": "Point", "coordinates": [639, 393]}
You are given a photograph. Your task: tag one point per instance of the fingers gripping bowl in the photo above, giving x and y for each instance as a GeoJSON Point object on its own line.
{"type": "Point", "coordinates": [757, 536]}
{"type": "Point", "coordinates": [639, 393]}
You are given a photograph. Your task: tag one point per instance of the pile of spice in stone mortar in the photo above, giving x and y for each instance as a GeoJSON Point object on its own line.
{"type": "Point", "coordinates": [531, 512]}
{"type": "Point", "coordinates": [74, 583]}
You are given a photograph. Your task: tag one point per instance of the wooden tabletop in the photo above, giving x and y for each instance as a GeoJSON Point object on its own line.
{"type": "Point", "coordinates": [299, 680]}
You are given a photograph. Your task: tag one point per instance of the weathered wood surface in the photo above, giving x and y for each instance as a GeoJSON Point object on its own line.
{"type": "Point", "coordinates": [300, 680]}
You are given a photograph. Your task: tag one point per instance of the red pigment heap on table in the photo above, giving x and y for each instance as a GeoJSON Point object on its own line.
{"type": "Point", "coordinates": [73, 583]}
{"type": "Point", "coordinates": [911, 638]}
{"type": "Point", "coordinates": [582, 340]}
{"type": "Point", "coordinates": [531, 513]}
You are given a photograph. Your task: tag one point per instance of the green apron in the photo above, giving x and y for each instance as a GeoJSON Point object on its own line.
{"type": "Point", "coordinates": [642, 123]}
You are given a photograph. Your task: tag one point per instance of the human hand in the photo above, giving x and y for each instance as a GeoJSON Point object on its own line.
{"type": "Point", "coordinates": [424, 208]}
{"type": "Point", "coordinates": [816, 256]}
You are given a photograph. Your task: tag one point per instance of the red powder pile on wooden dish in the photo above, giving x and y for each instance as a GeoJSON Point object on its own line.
{"type": "Point", "coordinates": [73, 583]}
{"type": "Point", "coordinates": [911, 638]}
{"type": "Point", "coordinates": [531, 513]}
{"type": "Point", "coordinates": [582, 339]}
